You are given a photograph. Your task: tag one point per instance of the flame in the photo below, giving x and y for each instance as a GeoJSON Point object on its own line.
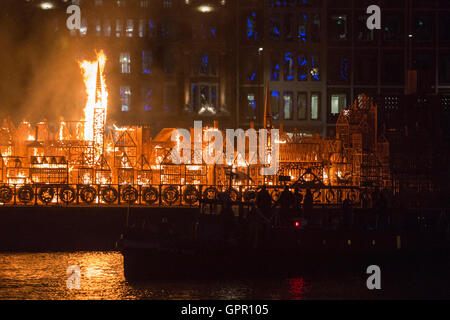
{"type": "Point", "coordinates": [97, 98]}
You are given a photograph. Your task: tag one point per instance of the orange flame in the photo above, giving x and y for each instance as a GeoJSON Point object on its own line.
{"type": "Point", "coordinates": [97, 96]}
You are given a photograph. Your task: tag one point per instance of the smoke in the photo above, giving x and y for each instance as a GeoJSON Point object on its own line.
{"type": "Point", "coordinates": [40, 77]}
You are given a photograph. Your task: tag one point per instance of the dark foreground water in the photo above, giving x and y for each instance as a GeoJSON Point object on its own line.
{"type": "Point", "coordinates": [43, 276]}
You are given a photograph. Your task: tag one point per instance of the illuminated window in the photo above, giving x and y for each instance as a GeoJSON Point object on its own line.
{"type": "Point", "coordinates": [130, 28]}
{"type": "Point", "coordinates": [338, 28]}
{"type": "Point", "coordinates": [83, 27]}
{"type": "Point", "coordinates": [302, 27]}
{"type": "Point", "coordinates": [275, 68]}
{"type": "Point", "coordinates": [141, 30]}
{"type": "Point", "coordinates": [251, 107]}
{"type": "Point", "coordinates": [251, 32]}
{"type": "Point", "coordinates": [204, 99]}
{"type": "Point", "coordinates": [275, 104]}
{"type": "Point", "coordinates": [275, 27]}
{"type": "Point", "coordinates": [107, 28]}
{"type": "Point", "coordinates": [147, 61]}
{"type": "Point", "coordinates": [302, 68]}
{"type": "Point", "coordinates": [315, 68]}
{"type": "Point", "coordinates": [301, 105]}
{"type": "Point", "coordinates": [144, 3]}
{"type": "Point", "coordinates": [205, 64]}
{"type": "Point", "coordinates": [147, 98]}
{"type": "Point", "coordinates": [288, 105]}
{"type": "Point", "coordinates": [167, 3]}
{"type": "Point", "coordinates": [315, 106]}
{"type": "Point", "coordinates": [125, 62]}
{"type": "Point", "coordinates": [152, 32]}
{"type": "Point", "coordinates": [98, 27]}
{"type": "Point", "coordinates": [289, 72]}
{"type": "Point", "coordinates": [98, 2]}
{"type": "Point", "coordinates": [338, 103]}
{"type": "Point", "coordinates": [125, 98]}
{"type": "Point", "coordinates": [119, 28]}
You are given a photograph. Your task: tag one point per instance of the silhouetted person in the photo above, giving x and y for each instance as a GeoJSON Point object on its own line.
{"type": "Point", "coordinates": [285, 202]}
{"type": "Point", "coordinates": [264, 202]}
{"type": "Point", "coordinates": [308, 204]}
{"type": "Point", "coordinates": [297, 201]}
{"type": "Point", "coordinates": [347, 213]}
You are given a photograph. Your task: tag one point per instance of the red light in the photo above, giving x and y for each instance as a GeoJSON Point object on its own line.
{"type": "Point", "coordinates": [297, 224]}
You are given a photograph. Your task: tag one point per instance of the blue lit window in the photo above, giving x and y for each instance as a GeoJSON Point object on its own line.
{"type": "Point", "coordinates": [251, 32]}
{"type": "Point", "coordinates": [251, 107]}
{"type": "Point", "coordinates": [275, 104]}
{"type": "Point", "coordinates": [302, 68]}
{"type": "Point", "coordinates": [345, 69]}
{"type": "Point", "coordinates": [275, 70]}
{"type": "Point", "coordinates": [302, 27]}
{"type": "Point", "coordinates": [288, 66]}
{"type": "Point", "coordinates": [147, 98]}
{"type": "Point", "coordinates": [315, 68]}
{"type": "Point", "coordinates": [275, 27]}
{"type": "Point", "coordinates": [147, 61]}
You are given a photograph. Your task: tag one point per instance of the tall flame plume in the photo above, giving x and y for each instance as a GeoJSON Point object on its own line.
{"type": "Point", "coordinates": [97, 97]}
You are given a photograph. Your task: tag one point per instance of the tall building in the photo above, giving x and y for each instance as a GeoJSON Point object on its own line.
{"type": "Point", "coordinates": [174, 61]}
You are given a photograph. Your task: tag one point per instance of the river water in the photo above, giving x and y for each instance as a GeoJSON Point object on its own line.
{"type": "Point", "coordinates": [44, 276]}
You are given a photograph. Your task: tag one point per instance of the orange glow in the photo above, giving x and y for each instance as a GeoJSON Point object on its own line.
{"type": "Point", "coordinates": [97, 98]}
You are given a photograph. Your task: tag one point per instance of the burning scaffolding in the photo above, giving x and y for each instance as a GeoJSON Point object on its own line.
{"type": "Point", "coordinates": [89, 162]}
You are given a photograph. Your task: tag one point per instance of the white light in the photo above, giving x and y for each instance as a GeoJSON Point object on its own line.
{"type": "Point", "coordinates": [46, 5]}
{"type": "Point", "coordinates": [261, 49]}
{"type": "Point", "coordinates": [205, 9]}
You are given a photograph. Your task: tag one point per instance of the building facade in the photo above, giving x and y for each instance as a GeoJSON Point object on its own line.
{"type": "Point", "coordinates": [174, 61]}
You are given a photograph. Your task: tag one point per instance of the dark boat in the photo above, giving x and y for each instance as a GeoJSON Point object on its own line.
{"type": "Point", "coordinates": [206, 246]}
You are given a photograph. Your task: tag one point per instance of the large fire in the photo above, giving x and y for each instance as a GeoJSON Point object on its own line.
{"type": "Point", "coordinates": [97, 99]}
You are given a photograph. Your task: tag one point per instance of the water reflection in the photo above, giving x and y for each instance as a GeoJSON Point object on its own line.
{"type": "Point", "coordinates": [43, 276]}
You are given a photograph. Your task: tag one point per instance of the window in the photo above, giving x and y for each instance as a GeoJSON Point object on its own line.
{"type": "Point", "coordinates": [147, 61]}
{"type": "Point", "coordinates": [144, 3]}
{"type": "Point", "coordinates": [251, 32]}
{"type": "Point", "coordinates": [315, 68]}
{"type": "Point", "coordinates": [302, 28]}
{"type": "Point", "coordinates": [288, 105]}
{"type": "Point", "coordinates": [338, 29]}
{"type": "Point", "coordinates": [147, 98]}
{"type": "Point", "coordinates": [444, 68]}
{"type": "Point", "coordinates": [251, 107]}
{"type": "Point", "coordinates": [289, 72]}
{"type": "Point", "coordinates": [289, 27]}
{"type": "Point", "coordinates": [424, 28]}
{"type": "Point", "coordinates": [275, 27]}
{"type": "Point", "coordinates": [83, 27]}
{"type": "Point", "coordinates": [302, 72]}
{"type": "Point", "coordinates": [315, 106]}
{"type": "Point", "coordinates": [339, 67]}
{"type": "Point", "coordinates": [204, 99]}
{"type": "Point", "coordinates": [205, 64]}
{"type": "Point", "coordinates": [169, 62]}
{"type": "Point", "coordinates": [107, 28]}
{"type": "Point", "coordinates": [275, 68]}
{"type": "Point", "coordinates": [152, 32]}
{"type": "Point", "coordinates": [249, 67]}
{"type": "Point", "coordinates": [98, 28]}
{"type": "Point", "coordinates": [338, 103]}
{"type": "Point", "coordinates": [125, 62]}
{"type": "Point", "coordinates": [170, 97]}
{"type": "Point", "coordinates": [275, 104]}
{"type": "Point", "coordinates": [141, 30]}
{"type": "Point", "coordinates": [315, 28]}
{"type": "Point", "coordinates": [362, 32]}
{"type": "Point", "coordinates": [98, 2]}
{"type": "Point", "coordinates": [167, 3]}
{"type": "Point", "coordinates": [125, 98]}
{"type": "Point", "coordinates": [130, 28]}
{"type": "Point", "coordinates": [301, 105]}
{"type": "Point", "coordinates": [118, 28]}
{"type": "Point", "coordinates": [393, 27]}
